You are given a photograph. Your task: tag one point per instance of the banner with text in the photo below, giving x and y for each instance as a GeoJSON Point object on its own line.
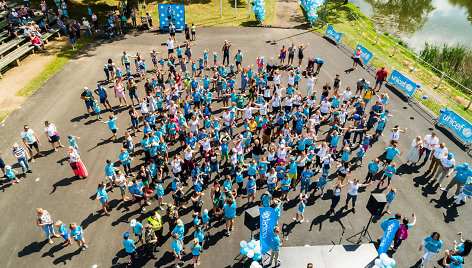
{"type": "Point", "coordinates": [268, 220]}
{"type": "Point", "coordinates": [391, 228]}
{"type": "Point", "coordinates": [333, 34]}
{"type": "Point", "coordinates": [461, 127]}
{"type": "Point", "coordinates": [366, 55]}
{"type": "Point", "coordinates": [402, 82]}
{"type": "Point", "coordinates": [171, 13]}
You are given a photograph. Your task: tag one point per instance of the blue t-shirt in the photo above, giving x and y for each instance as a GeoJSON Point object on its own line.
{"type": "Point", "coordinates": [462, 174]}
{"type": "Point", "coordinates": [230, 211]}
{"type": "Point", "coordinates": [275, 243]}
{"type": "Point", "coordinates": [373, 167]}
{"type": "Point", "coordinates": [266, 200]}
{"type": "Point", "coordinates": [390, 197]}
{"type": "Point", "coordinates": [286, 181]}
{"type": "Point", "coordinates": [391, 153]}
{"type": "Point", "coordinates": [196, 250]}
{"type": "Point", "coordinates": [176, 246]}
{"type": "Point", "coordinates": [432, 245]}
{"type": "Point", "coordinates": [292, 168]}
{"type": "Point", "coordinates": [301, 207]}
{"type": "Point", "coordinates": [307, 174]}
{"type": "Point", "coordinates": [103, 194]}
{"type": "Point", "coordinates": [391, 170]}
{"type": "Point", "coordinates": [138, 228]}
{"type": "Point", "coordinates": [251, 184]}
{"type": "Point", "coordinates": [124, 157]}
{"type": "Point", "coordinates": [63, 230]}
{"type": "Point", "coordinates": [109, 169]}
{"type": "Point", "coordinates": [345, 156]}
{"type": "Point", "coordinates": [129, 245]}
{"type": "Point", "coordinates": [159, 190]}
{"type": "Point", "coordinates": [335, 140]}
{"type": "Point", "coordinates": [77, 233]}
{"type": "Point", "coordinates": [205, 217]}
{"type": "Point", "coordinates": [111, 124]}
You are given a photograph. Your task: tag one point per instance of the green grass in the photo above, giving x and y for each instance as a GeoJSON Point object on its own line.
{"type": "Point", "coordinates": [338, 16]}
{"type": "Point", "coordinates": [60, 60]}
{"type": "Point", "coordinates": [207, 12]}
{"type": "Point", "coordinates": [3, 115]}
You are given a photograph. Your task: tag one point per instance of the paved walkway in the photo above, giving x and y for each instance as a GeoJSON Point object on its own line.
{"type": "Point", "coordinates": [52, 186]}
{"type": "Point", "coordinates": [288, 13]}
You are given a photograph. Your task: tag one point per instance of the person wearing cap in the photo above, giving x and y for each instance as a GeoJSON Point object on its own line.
{"type": "Point", "coordinates": [446, 167]}
{"type": "Point", "coordinates": [130, 248]}
{"type": "Point", "coordinates": [463, 173]}
{"type": "Point", "coordinates": [87, 96]}
{"type": "Point", "coordinates": [102, 196]}
{"type": "Point", "coordinates": [150, 240]}
{"type": "Point", "coordinates": [10, 173]}
{"type": "Point", "coordinates": [177, 249]}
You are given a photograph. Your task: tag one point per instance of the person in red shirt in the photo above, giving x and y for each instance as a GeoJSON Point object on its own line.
{"type": "Point", "coordinates": [36, 42]}
{"type": "Point", "coordinates": [380, 77]}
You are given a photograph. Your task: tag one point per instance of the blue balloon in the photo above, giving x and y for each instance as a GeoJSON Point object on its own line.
{"type": "Point", "coordinates": [418, 86]}
{"type": "Point", "coordinates": [393, 263]}
{"type": "Point", "coordinates": [442, 111]}
{"type": "Point", "coordinates": [425, 97]}
{"type": "Point", "coordinates": [257, 257]}
{"type": "Point", "coordinates": [250, 246]}
{"type": "Point", "coordinates": [244, 250]}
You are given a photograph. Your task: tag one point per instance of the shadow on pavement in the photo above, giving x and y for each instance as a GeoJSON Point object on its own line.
{"type": "Point", "coordinates": [32, 248]}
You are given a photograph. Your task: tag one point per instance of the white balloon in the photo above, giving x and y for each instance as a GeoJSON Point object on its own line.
{"type": "Point", "coordinates": [387, 262]}
{"type": "Point", "coordinates": [254, 264]}
{"type": "Point", "coordinates": [243, 243]}
{"type": "Point", "coordinates": [378, 262]}
{"type": "Point", "coordinates": [384, 256]}
{"type": "Point", "coordinates": [250, 254]}
{"type": "Point", "coordinates": [257, 249]}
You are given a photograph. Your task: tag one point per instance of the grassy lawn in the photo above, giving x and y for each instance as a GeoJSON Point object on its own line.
{"type": "Point", "coordinates": [437, 97]}
{"type": "Point", "coordinates": [207, 12]}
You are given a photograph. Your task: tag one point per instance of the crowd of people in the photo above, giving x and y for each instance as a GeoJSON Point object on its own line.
{"type": "Point", "coordinates": [272, 137]}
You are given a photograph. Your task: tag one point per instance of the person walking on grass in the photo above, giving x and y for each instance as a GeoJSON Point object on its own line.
{"type": "Point", "coordinates": [31, 140]}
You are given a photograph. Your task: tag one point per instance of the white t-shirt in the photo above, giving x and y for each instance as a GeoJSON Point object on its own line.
{"type": "Point", "coordinates": [325, 107]}
{"type": "Point", "coordinates": [51, 130]}
{"type": "Point", "coordinates": [322, 151]}
{"type": "Point", "coordinates": [448, 162]}
{"type": "Point", "coordinates": [170, 44]}
{"type": "Point", "coordinates": [277, 79]}
{"type": "Point", "coordinates": [311, 82]}
{"type": "Point", "coordinates": [270, 156]}
{"type": "Point", "coordinates": [346, 95]}
{"type": "Point", "coordinates": [193, 125]}
{"type": "Point", "coordinates": [288, 101]}
{"type": "Point", "coordinates": [291, 80]}
{"type": "Point", "coordinates": [282, 153]}
{"type": "Point", "coordinates": [431, 142]}
{"type": "Point", "coordinates": [188, 155]}
{"type": "Point", "coordinates": [440, 152]}
{"type": "Point", "coordinates": [275, 101]}
{"type": "Point", "coordinates": [29, 136]}
{"type": "Point", "coordinates": [263, 108]}
{"type": "Point", "coordinates": [248, 112]}
{"type": "Point", "coordinates": [121, 180]}
{"type": "Point", "coordinates": [227, 118]}
{"type": "Point", "coordinates": [271, 177]}
{"type": "Point", "coordinates": [206, 145]}
{"type": "Point", "coordinates": [176, 168]}
{"type": "Point", "coordinates": [395, 135]}
{"type": "Point", "coordinates": [354, 188]}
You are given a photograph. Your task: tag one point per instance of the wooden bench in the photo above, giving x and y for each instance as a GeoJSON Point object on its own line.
{"type": "Point", "coordinates": [15, 43]}
{"type": "Point", "coordinates": [45, 37]}
{"type": "Point", "coordinates": [4, 37]}
{"type": "Point", "coordinates": [3, 14]}
{"type": "Point", "coordinates": [15, 56]}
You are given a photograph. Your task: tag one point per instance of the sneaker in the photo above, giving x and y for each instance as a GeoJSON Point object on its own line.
{"type": "Point", "coordinates": [160, 208]}
{"type": "Point", "coordinates": [231, 229]}
{"type": "Point", "coordinates": [68, 244]}
{"type": "Point", "coordinates": [82, 248]}
{"type": "Point", "coordinates": [388, 186]}
{"type": "Point", "coordinates": [302, 221]}
{"type": "Point", "coordinates": [85, 246]}
{"type": "Point", "coordinates": [148, 203]}
{"type": "Point", "coordinates": [143, 209]}
{"type": "Point", "coordinates": [287, 199]}
{"type": "Point", "coordinates": [321, 195]}
{"type": "Point", "coordinates": [227, 233]}
{"type": "Point", "coordinates": [150, 191]}
{"type": "Point", "coordinates": [29, 171]}
{"type": "Point", "coordinates": [444, 189]}
{"type": "Point", "coordinates": [146, 195]}
{"type": "Point", "coordinates": [388, 212]}
{"type": "Point", "coordinates": [455, 196]}
{"type": "Point", "coordinates": [353, 210]}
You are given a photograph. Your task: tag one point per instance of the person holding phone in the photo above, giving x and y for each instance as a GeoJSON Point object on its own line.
{"type": "Point", "coordinates": [275, 245]}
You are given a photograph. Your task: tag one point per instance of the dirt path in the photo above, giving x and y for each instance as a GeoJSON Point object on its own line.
{"type": "Point", "coordinates": [288, 13]}
{"type": "Point", "coordinates": [18, 77]}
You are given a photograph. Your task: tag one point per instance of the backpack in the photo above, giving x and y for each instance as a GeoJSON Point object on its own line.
{"type": "Point", "coordinates": [402, 232]}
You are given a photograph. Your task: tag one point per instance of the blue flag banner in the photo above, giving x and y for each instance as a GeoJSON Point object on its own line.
{"type": "Point", "coordinates": [333, 34]}
{"type": "Point", "coordinates": [174, 14]}
{"type": "Point", "coordinates": [391, 228]}
{"type": "Point", "coordinates": [268, 220]}
{"type": "Point", "coordinates": [366, 55]}
{"type": "Point", "coordinates": [402, 82]}
{"type": "Point", "coordinates": [461, 127]}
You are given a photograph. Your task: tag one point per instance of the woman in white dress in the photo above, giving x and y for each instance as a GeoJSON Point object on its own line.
{"type": "Point", "coordinates": [414, 154]}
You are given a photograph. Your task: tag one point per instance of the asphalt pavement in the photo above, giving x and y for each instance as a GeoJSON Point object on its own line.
{"type": "Point", "coordinates": [53, 187]}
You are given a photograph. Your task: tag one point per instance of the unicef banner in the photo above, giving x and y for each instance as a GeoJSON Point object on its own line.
{"type": "Point", "coordinates": [268, 220]}
{"type": "Point", "coordinates": [176, 13]}
{"type": "Point", "coordinates": [391, 229]}
{"type": "Point", "coordinates": [366, 55]}
{"type": "Point", "coordinates": [333, 34]}
{"type": "Point", "coordinates": [462, 128]}
{"type": "Point", "coordinates": [402, 82]}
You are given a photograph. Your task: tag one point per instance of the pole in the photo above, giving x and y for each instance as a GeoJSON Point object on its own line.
{"type": "Point", "coordinates": [470, 103]}
{"type": "Point", "coordinates": [395, 50]}
{"type": "Point", "coordinates": [440, 80]}
{"type": "Point", "coordinates": [249, 7]}
{"type": "Point", "coordinates": [416, 63]}
{"type": "Point", "coordinates": [324, 12]}
{"type": "Point", "coordinates": [376, 41]}
{"type": "Point", "coordinates": [235, 7]}
{"type": "Point", "coordinates": [221, 8]}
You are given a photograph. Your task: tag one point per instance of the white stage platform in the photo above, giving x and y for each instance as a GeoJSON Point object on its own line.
{"type": "Point", "coordinates": [334, 256]}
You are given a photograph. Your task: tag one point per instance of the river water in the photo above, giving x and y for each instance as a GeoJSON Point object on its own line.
{"type": "Point", "coordinates": [420, 21]}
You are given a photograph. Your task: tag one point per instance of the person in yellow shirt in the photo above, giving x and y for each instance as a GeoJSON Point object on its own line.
{"type": "Point", "coordinates": [368, 95]}
{"type": "Point", "coordinates": [252, 125]}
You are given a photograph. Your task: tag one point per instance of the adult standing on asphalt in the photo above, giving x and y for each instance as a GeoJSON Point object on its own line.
{"type": "Point", "coordinates": [76, 163]}
{"type": "Point", "coordinates": [447, 166]}
{"type": "Point", "coordinates": [87, 96]}
{"type": "Point", "coordinates": [460, 179]}
{"type": "Point", "coordinates": [380, 77]}
{"type": "Point", "coordinates": [30, 139]}
{"type": "Point", "coordinates": [439, 152]}
{"type": "Point", "coordinates": [275, 245]}
{"type": "Point", "coordinates": [300, 53]}
{"type": "Point", "coordinates": [432, 245]}
{"type": "Point", "coordinates": [352, 194]}
{"type": "Point", "coordinates": [51, 133]}
{"type": "Point", "coordinates": [413, 155]}
{"type": "Point", "coordinates": [429, 142]}
{"type": "Point", "coordinates": [43, 219]}
{"type": "Point", "coordinates": [103, 95]}
{"type": "Point", "coordinates": [225, 50]}
{"type": "Point", "coordinates": [402, 232]}
{"type": "Point", "coordinates": [22, 157]}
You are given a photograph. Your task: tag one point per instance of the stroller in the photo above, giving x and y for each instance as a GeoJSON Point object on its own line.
{"type": "Point", "coordinates": [310, 68]}
{"type": "Point", "coordinates": [108, 33]}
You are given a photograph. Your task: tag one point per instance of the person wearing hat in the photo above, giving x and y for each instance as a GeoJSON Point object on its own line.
{"type": "Point", "coordinates": [150, 240]}
{"type": "Point", "coordinates": [155, 221]}
{"type": "Point", "coordinates": [102, 196]}
{"type": "Point", "coordinates": [463, 173]}
{"type": "Point", "coordinates": [137, 229]}
{"type": "Point", "coordinates": [446, 167]}
{"type": "Point", "coordinates": [130, 248]}
{"type": "Point", "coordinates": [177, 249]}
{"type": "Point", "coordinates": [10, 173]}
{"type": "Point", "coordinates": [87, 96]}
{"type": "Point", "coordinates": [103, 95]}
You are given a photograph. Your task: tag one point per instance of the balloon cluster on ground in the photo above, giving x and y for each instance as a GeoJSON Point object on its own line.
{"type": "Point", "coordinates": [384, 261]}
{"type": "Point", "coordinates": [253, 251]}
{"type": "Point", "coordinates": [310, 7]}
{"type": "Point", "coordinates": [258, 8]}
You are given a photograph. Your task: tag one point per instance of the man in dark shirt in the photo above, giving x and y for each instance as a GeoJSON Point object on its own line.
{"type": "Point", "coordinates": [267, 132]}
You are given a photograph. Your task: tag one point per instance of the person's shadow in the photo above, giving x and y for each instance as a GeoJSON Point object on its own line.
{"type": "Point", "coordinates": [66, 257]}
{"type": "Point", "coordinates": [32, 248]}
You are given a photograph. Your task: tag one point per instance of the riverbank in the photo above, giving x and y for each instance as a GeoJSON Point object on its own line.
{"type": "Point", "coordinates": [358, 29]}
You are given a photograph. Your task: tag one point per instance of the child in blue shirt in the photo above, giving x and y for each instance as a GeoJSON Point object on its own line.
{"type": "Point", "coordinates": [73, 142]}
{"type": "Point", "coordinates": [285, 184]}
{"type": "Point", "coordinates": [96, 109]}
{"type": "Point", "coordinates": [360, 155]}
{"type": "Point", "coordinates": [10, 173]}
{"type": "Point", "coordinates": [321, 183]}
{"type": "Point", "coordinates": [390, 197]}
{"type": "Point", "coordinates": [205, 220]}
{"type": "Point", "coordinates": [112, 125]}
{"type": "Point", "coordinates": [389, 171]}
{"type": "Point", "coordinates": [301, 209]}
{"type": "Point", "coordinates": [63, 232]}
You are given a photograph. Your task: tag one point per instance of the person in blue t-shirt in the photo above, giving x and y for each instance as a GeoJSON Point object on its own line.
{"type": "Point", "coordinates": [63, 232]}
{"type": "Point", "coordinates": [305, 180]}
{"type": "Point", "coordinates": [390, 196]}
{"type": "Point", "coordinates": [130, 248]}
{"type": "Point", "coordinates": [77, 233]}
{"type": "Point", "coordinates": [373, 169]}
{"type": "Point", "coordinates": [389, 170]}
{"type": "Point", "coordinates": [196, 249]}
{"type": "Point", "coordinates": [275, 245]}
{"type": "Point", "coordinates": [432, 245]}
{"type": "Point", "coordinates": [285, 187]}
{"type": "Point", "coordinates": [321, 183]}
{"type": "Point", "coordinates": [102, 196]}
{"type": "Point", "coordinates": [391, 153]}
{"type": "Point", "coordinates": [177, 249]}
{"type": "Point", "coordinates": [112, 125]}
{"type": "Point", "coordinates": [230, 213]}
{"type": "Point", "coordinates": [138, 195]}
{"type": "Point", "coordinates": [301, 209]}
{"type": "Point", "coordinates": [463, 173]}
{"type": "Point", "coordinates": [251, 189]}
